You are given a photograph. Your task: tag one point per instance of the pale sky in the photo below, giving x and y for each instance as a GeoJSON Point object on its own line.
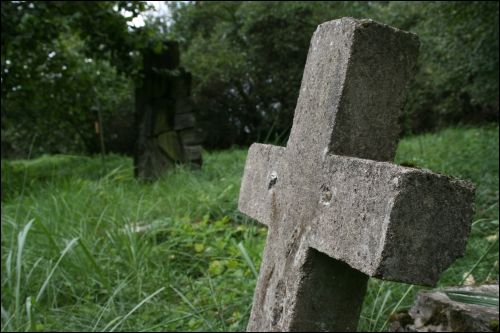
{"type": "Point", "coordinates": [159, 9]}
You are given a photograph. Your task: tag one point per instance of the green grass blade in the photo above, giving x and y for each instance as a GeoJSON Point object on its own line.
{"type": "Point", "coordinates": [94, 264]}
{"type": "Point", "coordinates": [478, 262]}
{"type": "Point", "coordinates": [29, 324]}
{"type": "Point", "coordinates": [21, 239]}
{"type": "Point", "coordinates": [49, 235]}
{"type": "Point", "coordinates": [108, 304]}
{"type": "Point", "coordinates": [191, 306]}
{"type": "Point", "coordinates": [247, 259]}
{"type": "Point", "coordinates": [475, 298]}
{"type": "Point", "coordinates": [396, 307]}
{"type": "Point", "coordinates": [47, 279]}
{"type": "Point", "coordinates": [374, 305]}
{"type": "Point", "coordinates": [137, 307]}
{"type": "Point", "coordinates": [185, 299]}
{"type": "Point", "coordinates": [6, 318]}
{"type": "Point", "coordinates": [8, 267]}
{"type": "Point", "coordinates": [220, 310]}
{"type": "Point", "coordinates": [114, 320]}
{"type": "Point", "coordinates": [382, 307]}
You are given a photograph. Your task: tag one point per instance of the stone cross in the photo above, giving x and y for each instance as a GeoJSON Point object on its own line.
{"type": "Point", "coordinates": [337, 210]}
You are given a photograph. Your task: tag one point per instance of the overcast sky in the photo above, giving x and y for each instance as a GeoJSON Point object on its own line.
{"type": "Point", "coordinates": [159, 9]}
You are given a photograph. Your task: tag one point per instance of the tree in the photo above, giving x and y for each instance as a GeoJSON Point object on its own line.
{"type": "Point", "coordinates": [247, 60]}
{"type": "Point", "coordinates": [457, 80]}
{"type": "Point", "coordinates": [59, 62]}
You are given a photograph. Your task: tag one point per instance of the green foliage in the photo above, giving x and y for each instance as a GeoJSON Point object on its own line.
{"type": "Point", "coordinates": [477, 298]}
{"type": "Point", "coordinates": [182, 233]}
{"type": "Point", "coordinates": [88, 249]}
{"type": "Point", "coordinates": [31, 26]}
{"type": "Point", "coordinates": [247, 60]}
{"type": "Point", "coordinates": [457, 78]}
{"type": "Point", "coordinates": [54, 107]}
{"type": "Point", "coordinates": [60, 63]}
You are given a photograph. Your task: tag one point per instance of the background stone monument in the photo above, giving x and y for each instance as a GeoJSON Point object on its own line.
{"type": "Point", "coordinates": [165, 123]}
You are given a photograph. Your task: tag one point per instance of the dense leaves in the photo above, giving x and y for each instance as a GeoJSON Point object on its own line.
{"type": "Point", "coordinates": [63, 61]}
{"type": "Point", "coordinates": [457, 79]}
{"type": "Point", "coordinates": [248, 57]}
{"type": "Point", "coordinates": [247, 60]}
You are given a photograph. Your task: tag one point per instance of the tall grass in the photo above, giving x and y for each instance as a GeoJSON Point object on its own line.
{"type": "Point", "coordinates": [466, 153]}
{"type": "Point", "coordinates": [88, 249]}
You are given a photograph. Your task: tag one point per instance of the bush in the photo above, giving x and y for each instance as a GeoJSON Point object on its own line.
{"type": "Point", "coordinates": [247, 60]}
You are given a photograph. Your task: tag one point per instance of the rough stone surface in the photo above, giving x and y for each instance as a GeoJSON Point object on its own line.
{"type": "Point", "coordinates": [335, 213]}
{"type": "Point", "coordinates": [446, 311]}
{"type": "Point", "coordinates": [166, 132]}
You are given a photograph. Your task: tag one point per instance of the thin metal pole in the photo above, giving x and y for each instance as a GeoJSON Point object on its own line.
{"type": "Point", "coordinates": [99, 128]}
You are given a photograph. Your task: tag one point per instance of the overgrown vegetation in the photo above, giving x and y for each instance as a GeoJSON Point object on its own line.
{"type": "Point", "coordinates": [247, 59]}
{"type": "Point", "coordinates": [63, 61]}
{"type": "Point", "coordinates": [88, 248]}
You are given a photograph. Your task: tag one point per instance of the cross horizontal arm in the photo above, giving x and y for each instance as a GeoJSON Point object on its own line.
{"type": "Point", "coordinates": [392, 222]}
{"type": "Point", "coordinates": [263, 166]}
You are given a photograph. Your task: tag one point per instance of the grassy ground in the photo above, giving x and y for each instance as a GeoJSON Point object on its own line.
{"type": "Point", "coordinates": [86, 249]}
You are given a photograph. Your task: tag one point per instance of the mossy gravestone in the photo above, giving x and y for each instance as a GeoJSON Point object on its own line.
{"type": "Point", "coordinates": [165, 125]}
{"type": "Point", "coordinates": [337, 210]}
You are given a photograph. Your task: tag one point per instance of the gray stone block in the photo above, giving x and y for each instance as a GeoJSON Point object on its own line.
{"type": "Point", "coordinates": [392, 222]}
{"type": "Point", "coordinates": [336, 212]}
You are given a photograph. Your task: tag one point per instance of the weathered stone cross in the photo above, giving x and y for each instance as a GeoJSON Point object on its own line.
{"type": "Point", "coordinates": [337, 210]}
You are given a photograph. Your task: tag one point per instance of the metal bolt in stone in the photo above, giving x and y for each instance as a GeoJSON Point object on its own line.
{"type": "Point", "coordinates": [337, 210]}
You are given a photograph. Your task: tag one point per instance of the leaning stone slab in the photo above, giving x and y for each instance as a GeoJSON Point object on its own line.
{"type": "Point", "coordinates": [453, 309]}
{"type": "Point", "coordinates": [336, 209]}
